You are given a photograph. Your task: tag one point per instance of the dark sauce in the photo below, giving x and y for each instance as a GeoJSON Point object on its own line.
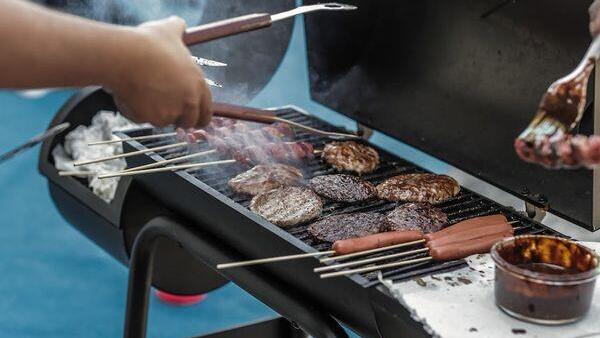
{"type": "Point", "coordinates": [553, 293]}
{"type": "Point", "coordinates": [546, 268]}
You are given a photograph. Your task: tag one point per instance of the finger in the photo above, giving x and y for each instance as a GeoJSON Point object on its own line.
{"type": "Point", "coordinates": [189, 116]}
{"type": "Point", "coordinates": [594, 28]}
{"type": "Point", "coordinates": [125, 111]}
{"type": "Point", "coordinates": [205, 107]}
{"type": "Point", "coordinates": [593, 10]}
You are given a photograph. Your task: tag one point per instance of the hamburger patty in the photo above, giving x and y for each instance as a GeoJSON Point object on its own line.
{"type": "Point", "coordinates": [343, 188]}
{"type": "Point", "coordinates": [430, 188]}
{"type": "Point", "coordinates": [287, 206]}
{"type": "Point", "coordinates": [416, 216]}
{"type": "Point", "coordinates": [337, 227]}
{"type": "Point", "coordinates": [351, 156]}
{"type": "Point", "coordinates": [265, 177]}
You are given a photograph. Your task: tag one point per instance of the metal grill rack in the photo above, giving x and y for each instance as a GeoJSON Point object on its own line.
{"type": "Point", "coordinates": [465, 205]}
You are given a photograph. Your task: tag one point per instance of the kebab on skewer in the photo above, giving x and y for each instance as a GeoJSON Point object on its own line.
{"type": "Point", "coordinates": [272, 132]}
{"type": "Point", "coordinates": [287, 152]}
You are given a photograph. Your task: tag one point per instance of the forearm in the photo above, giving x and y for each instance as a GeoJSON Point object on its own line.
{"type": "Point", "coordinates": [43, 48]}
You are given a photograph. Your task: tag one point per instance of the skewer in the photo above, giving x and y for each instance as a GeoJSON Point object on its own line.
{"type": "Point", "coordinates": [213, 83]}
{"type": "Point", "coordinates": [76, 173]}
{"type": "Point", "coordinates": [370, 260]}
{"type": "Point", "coordinates": [206, 62]}
{"type": "Point", "coordinates": [313, 254]}
{"type": "Point", "coordinates": [174, 159]}
{"type": "Point", "coordinates": [367, 252]}
{"type": "Point", "coordinates": [133, 153]}
{"type": "Point", "coordinates": [273, 259]}
{"type": "Point", "coordinates": [135, 138]}
{"type": "Point", "coordinates": [163, 169]}
{"type": "Point", "coordinates": [376, 267]}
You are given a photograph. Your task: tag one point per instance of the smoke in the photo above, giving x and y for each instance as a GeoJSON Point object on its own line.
{"type": "Point", "coordinates": [252, 57]}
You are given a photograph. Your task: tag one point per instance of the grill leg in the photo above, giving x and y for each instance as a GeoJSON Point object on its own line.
{"type": "Point", "coordinates": [140, 279]}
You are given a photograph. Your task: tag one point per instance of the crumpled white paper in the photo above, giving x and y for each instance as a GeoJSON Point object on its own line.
{"type": "Point", "coordinates": [75, 148]}
{"type": "Point", "coordinates": [461, 304]}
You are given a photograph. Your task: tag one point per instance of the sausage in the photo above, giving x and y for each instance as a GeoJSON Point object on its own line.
{"type": "Point", "coordinates": [473, 223]}
{"type": "Point", "coordinates": [464, 249]}
{"type": "Point", "coordinates": [346, 246]}
{"type": "Point", "coordinates": [470, 234]}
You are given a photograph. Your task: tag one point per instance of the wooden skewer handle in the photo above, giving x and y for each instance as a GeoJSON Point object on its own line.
{"type": "Point", "coordinates": [243, 113]}
{"type": "Point", "coordinates": [223, 28]}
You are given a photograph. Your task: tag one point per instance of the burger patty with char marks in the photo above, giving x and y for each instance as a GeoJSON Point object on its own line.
{"type": "Point", "coordinates": [287, 206]}
{"type": "Point", "coordinates": [338, 227]}
{"type": "Point", "coordinates": [343, 188]}
{"type": "Point", "coordinates": [416, 216]}
{"type": "Point", "coordinates": [265, 177]}
{"type": "Point", "coordinates": [351, 156]}
{"type": "Point", "coordinates": [430, 188]}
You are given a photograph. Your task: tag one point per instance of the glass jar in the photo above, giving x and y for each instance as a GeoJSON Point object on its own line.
{"type": "Point", "coordinates": [544, 279]}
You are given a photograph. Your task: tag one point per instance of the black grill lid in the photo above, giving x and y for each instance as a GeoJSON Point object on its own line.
{"type": "Point", "coordinates": [458, 80]}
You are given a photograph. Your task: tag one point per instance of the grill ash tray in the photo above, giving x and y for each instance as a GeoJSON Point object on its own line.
{"type": "Point", "coordinates": [213, 180]}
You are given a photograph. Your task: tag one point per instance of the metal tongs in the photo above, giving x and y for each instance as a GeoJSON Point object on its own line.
{"type": "Point", "coordinates": [250, 22]}
{"type": "Point", "coordinates": [562, 106]}
{"type": "Point", "coordinates": [246, 23]}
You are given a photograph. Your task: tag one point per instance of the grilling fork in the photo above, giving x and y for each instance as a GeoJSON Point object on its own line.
{"type": "Point", "coordinates": [550, 119]}
{"type": "Point", "coordinates": [250, 22]}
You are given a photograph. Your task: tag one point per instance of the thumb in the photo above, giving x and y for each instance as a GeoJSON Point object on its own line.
{"type": "Point", "coordinates": [175, 24]}
{"type": "Point", "coordinates": [172, 24]}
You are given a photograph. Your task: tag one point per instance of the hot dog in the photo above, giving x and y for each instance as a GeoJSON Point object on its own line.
{"type": "Point", "coordinates": [464, 249]}
{"type": "Point", "coordinates": [473, 223]}
{"type": "Point", "coordinates": [470, 234]}
{"type": "Point", "coordinates": [352, 245]}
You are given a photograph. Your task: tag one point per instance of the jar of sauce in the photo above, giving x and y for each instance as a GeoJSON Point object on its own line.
{"type": "Point", "coordinates": [544, 279]}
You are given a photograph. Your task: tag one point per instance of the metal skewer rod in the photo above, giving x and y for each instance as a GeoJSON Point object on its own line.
{"type": "Point", "coordinates": [370, 260]}
{"type": "Point", "coordinates": [207, 62]}
{"type": "Point", "coordinates": [174, 159]}
{"type": "Point", "coordinates": [329, 134]}
{"type": "Point", "coordinates": [367, 252]}
{"type": "Point", "coordinates": [135, 138]}
{"type": "Point", "coordinates": [172, 168]}
{"type": "Point", "coordinates": [133, 153]}
{"type": "Point", "coordinates": [213, 83]}
{"type": "Point", "coordinates": [376, 267]}
{"type": "Point", "coordinates": [273, 259]}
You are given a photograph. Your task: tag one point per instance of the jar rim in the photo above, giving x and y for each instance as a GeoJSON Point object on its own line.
{"type": "Point", "coordinates": [541, 277]}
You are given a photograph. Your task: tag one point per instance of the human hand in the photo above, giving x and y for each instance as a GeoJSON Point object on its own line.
{"type": "Point", "coordinates": [156, 81]}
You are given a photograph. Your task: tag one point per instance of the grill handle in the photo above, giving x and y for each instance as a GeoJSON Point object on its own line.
{"type": "Point", "coordinates": [243, 113]}
{"type": "Point", "coordinates": [223, 28]}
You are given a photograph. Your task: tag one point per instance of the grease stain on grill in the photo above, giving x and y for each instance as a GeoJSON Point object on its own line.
{"type": "Point", "coordinates": [463, 206]}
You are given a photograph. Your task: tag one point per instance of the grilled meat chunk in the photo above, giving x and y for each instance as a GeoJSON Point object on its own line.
{"type": "Point", "coordinates": [287, 206]}
{"type": "Point", "coordinates": [338, 227]}
{"type": "Point", "coordinates": [416, 216]}
{"type": "Point", "coordinates": [265, 177]}
{"type": "Point", "coordinates": [343, 188]}
{"type": "Point", "coordinates": [351, 156]}
{"type": "Point", "coordinates": [430, 188]}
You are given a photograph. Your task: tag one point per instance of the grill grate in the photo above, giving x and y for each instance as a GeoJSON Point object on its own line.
{"type": "Point", "coordinates": [465, 205]}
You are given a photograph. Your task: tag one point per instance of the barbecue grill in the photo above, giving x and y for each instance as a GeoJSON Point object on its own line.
{"type": "Point", "coordinates": [200, 201]}
{"type": "Point", "coordinates": [172, 228]}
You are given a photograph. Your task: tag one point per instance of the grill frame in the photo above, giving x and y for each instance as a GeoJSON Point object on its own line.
{"type": "Point", "coordinates": [269, 240]}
